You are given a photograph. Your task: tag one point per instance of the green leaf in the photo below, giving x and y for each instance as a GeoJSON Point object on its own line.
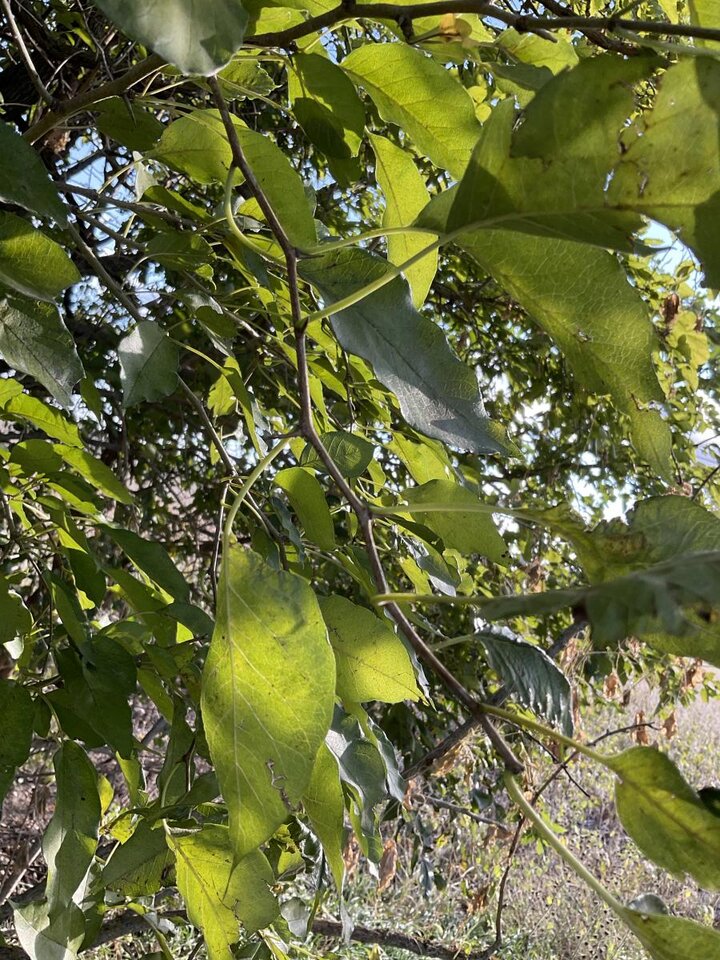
{"type": "Point", "coordinates": [152, 558]}
{"type": "Point", "coordinates": [326, 105]}
{"type": "Point", "coordinates": [405, 196]}
{"type": "Point", "coordinates": [420, 96]}
{"type": "Point", "coordinates": [593, 314]}
{"type": "Point", "coordinates": [352, 455]}
{"type": "Point", "coordinates": [363, 772]}
{"type": "Point", "coordinates": [181, 250]}
{"type": "Point", "coordinates": [95, 472]}
{"type": "Point", "coordinates": [555, 55]}
{"type": "Point", "coordinates": [18, 712]}
{"type": "Point", "coordinates": [24, 179]}
{"type": "Point", "coordinates": [532, 676]}
{"type": "Point", "coordinates": [148, 364]}
{"type": "Point", "coordinates": [469, 532]}
{"type": "Point", "coordinates": [129, 123]}
{"type": "Point", "coordinates": [218, 892]}
{"type": "Point", "coordinates": [31, 263]}
{"type": "Point", "coordinates": [673, 938]}
{"type": "Point", "coordinates": [50, 421]}
{"type": "Point", "coordinates": [684, 196]}
{"type": "Point", "coordinates": [197, 36]}
{"type": "Point", "coordinates": [71, 836]}
{"type": "Point", "coordinates": [197, 145]}
{"type": "Point", "coordinates": [136, 866]}
{"type": "Point", "coordinates": [245, 78]}
{"type": "Point", "coordinates": [657, 529]}
{"type": "Point", "coordinates": [308, 501]}
{"type": "Point", "coordinates": [372, 662]}
{"type": "Point", "coordinates": [325, 806]}
{"type": "Point", "coordinates": [438, 394]}
{"type": "Point", "coordinates": [44, 939]}
{"type": "Point", "coordinates": [267, 694]}
{"type": "Point", "coordinates": [15, 618]}
{"type": "Point", "coordinates": [669, 605]}
{"type": "Point", "coordinates": [34, 340]}
{"type": "Point", "coordinates": [703, 13]}
{"type": "Point", "coordinates": [93, 704]}
{"type": "Point", "coordinates": [666, 817]}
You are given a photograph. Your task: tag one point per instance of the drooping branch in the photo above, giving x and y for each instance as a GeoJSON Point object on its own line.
{"type": "Point", "coordinates": [308, 431]}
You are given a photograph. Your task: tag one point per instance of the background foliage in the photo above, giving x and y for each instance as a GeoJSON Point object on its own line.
{"type": "Point", "coordinates": [359, 426]}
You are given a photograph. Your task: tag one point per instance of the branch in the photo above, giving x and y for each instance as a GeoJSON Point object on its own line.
{"type": "Point", "coordinates": [42, 90]}
{"type": "Point", "coordinates": [77, 104]}
{"type": "Point", "coordinates": [592, 27]}
{"type": "Point", "coordinates": [307, 430]}
{"type": "Point", "coordinates": [132, 924]}
{"type": "Point", "coordinates": [459, 733]}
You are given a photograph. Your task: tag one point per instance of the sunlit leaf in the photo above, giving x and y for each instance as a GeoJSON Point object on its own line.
{"type": "Point", "coordinates": [267, 694]}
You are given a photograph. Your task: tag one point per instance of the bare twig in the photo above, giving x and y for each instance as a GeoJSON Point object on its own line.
{"type": "Point", "coordinates": [132, 924]}
{"type": "Point", "coordinates": [456, 736]}
{"type": "Point", "coordinates": [25, 54]}
{"type": "Point", "coordinates": [63, 111]}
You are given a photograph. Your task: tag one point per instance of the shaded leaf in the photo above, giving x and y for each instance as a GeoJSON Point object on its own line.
{"type": "Point", "coordinates": [129, 123]}
{"type": "Point", "coordinates": [46, 939]}
{"type": "Point", "coordinates": [136, 866]}
{"type": "Point", "coordinates": [351, 454]}
{"type": "Point", "coordinates": [531, 675]}
{"type": "Point", "coordinates": [153, 559]}
{"type": "Point", "coordinates": [18, 712]}
{"type": "Point", "coordinates": [326, 105]}
{"type": "Point", "coordinates": [684, 195]}
{"type": "Point", "coordinates": [34, 340]}
{"type": "Point", "coordinates": [308, 501]}
{"type": "Point", "coordinates": [438, 394]}
{"type": "Point", "coordinates": [196, 36]}
{"type": "Point", "coordinates": [669, 605]}
{"type": "Point", "coordinates": [197, 145]}
{"type": "Point", "coordinates": [71, 836]}
{"type": "Point", "coordinates": [149, 364]}
{"type": "Point", "coordinates": [24, 179]}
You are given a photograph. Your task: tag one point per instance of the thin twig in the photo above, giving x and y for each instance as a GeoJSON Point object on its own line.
{"type": "Point", "coordinates": [27, 59]}
{"type": "Point", "coordinates": [63, 111]}
{"type": "Point", "coordinates": [227, 460]}
{"type": "Point", "coordinates": [308, 430]}
{"type": "Point", "coordinates": [456, 736]}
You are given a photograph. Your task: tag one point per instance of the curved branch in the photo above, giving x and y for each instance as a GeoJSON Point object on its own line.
{"type": "Point", "coordinates": [592, 27]}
